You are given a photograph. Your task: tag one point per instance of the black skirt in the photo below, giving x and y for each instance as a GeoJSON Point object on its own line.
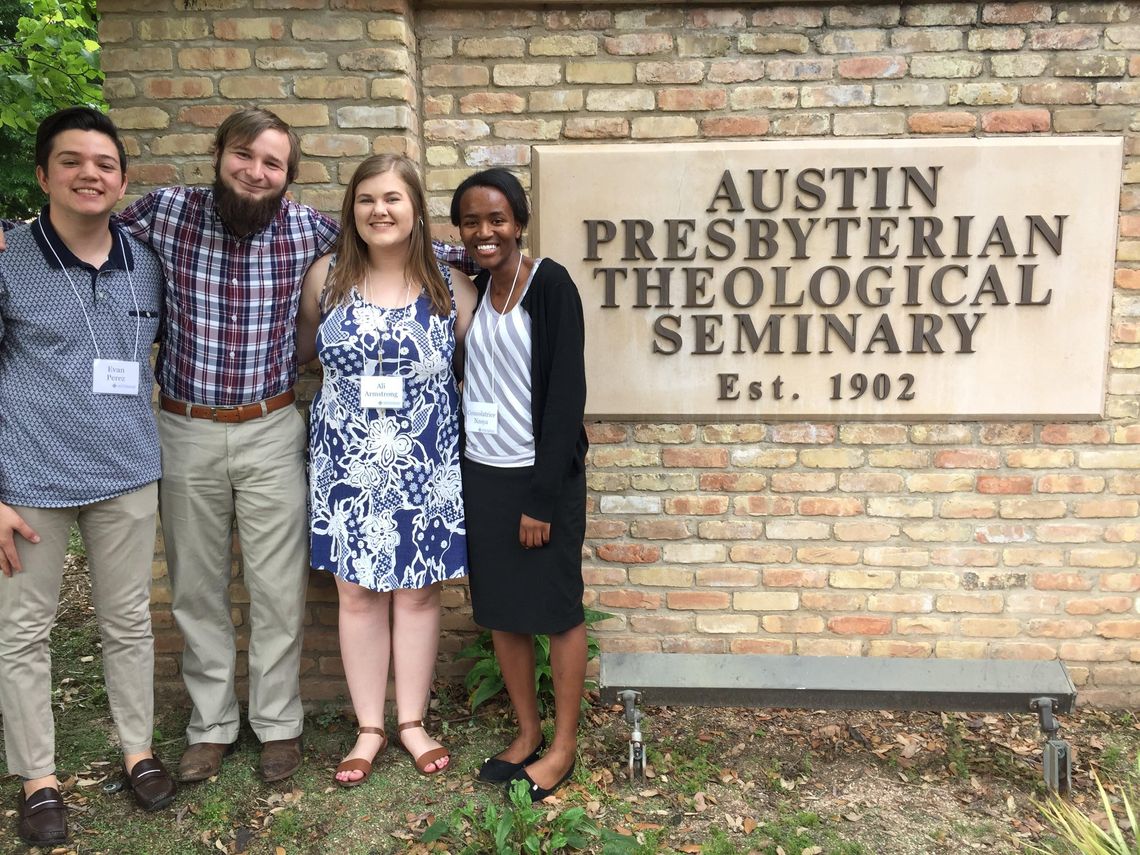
{"type": "Point", "coordinates": [529, 591]}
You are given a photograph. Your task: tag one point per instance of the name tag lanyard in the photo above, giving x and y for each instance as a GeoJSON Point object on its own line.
{"type": "Point", "coordinates": [483, 416]}
{"type": "Point", "coordinates": [108, 376]}
{"type": "Point", "coordinates": [385, 391]}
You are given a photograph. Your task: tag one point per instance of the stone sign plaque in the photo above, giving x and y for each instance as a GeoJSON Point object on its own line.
{"type": "Point", "coordinates": [891, 279]}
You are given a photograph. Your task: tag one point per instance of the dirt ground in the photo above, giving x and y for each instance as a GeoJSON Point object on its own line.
{"type": "Point", "coordinates": [903, 784]}
{"type": "Point", "coordinates": [719, 781]}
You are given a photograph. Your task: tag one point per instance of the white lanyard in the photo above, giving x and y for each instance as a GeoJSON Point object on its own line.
{"type": "Point", "coordinates": [498, 323]}
{"type": "Point", "coordinates": [483, 416]}
{"type": "Point", "coordinates": [108, 376]}
{"type": "Point", "coordinates": [384, 391]}
{"type": "Point", "coordinates": [83, 308]}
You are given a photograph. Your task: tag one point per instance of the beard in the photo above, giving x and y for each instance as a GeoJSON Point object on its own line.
{"type": "Point", "coordinates": [245, 216]}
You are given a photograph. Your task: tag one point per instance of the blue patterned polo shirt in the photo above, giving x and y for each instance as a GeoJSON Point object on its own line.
{"type": "Point", "coordinates": [61, 445]}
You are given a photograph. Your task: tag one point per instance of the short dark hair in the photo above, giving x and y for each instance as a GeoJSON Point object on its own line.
{"type": "Point", "coordinates": [75, 119]}
{"type": "Point", "coordinates": [499, 179]}
{"type": "Point", "coordinates": [246, 125]}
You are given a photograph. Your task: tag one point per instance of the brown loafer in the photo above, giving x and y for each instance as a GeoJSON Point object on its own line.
{"type": "Point", "coordinates": [280, 758]}
{"type": "Point", "coordinates": [42, 817]}
{"type": "Point", "coordinates": [202, 760]}
{"type": "Point", "coordinates": [151, 784]}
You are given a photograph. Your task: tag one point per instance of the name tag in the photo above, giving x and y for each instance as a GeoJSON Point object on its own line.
{"type": "Point", "coordinates": [481, 416]}
{"type": "Point", "coordinates": [115, 377]}
{"type": "Point", "coordinates": [385, 392]}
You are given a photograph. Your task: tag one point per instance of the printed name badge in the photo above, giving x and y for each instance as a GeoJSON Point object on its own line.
{"type": "Point", "coordinates": [115, 377]}
{"type": "Point", "coordinates": [482, 416]}
{"type": "Point", "coordinates": [386, 392]}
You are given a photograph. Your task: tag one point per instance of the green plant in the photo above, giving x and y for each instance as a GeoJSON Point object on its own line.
{"type": "Point", "coordinates": [331, 713]}
{"type": "Point", "coordinates": [286, 826]}
{"type": "Point", "coordinates": [50, 59]}
{"type": "Point", "coordinates": [956, 748]}
{"type": "Point", "coordinates": [1079, 833]}
{"type": "Point", "coordinates": [75, 545]}
{"type": "Point", "coordinates": [522, 827]}
{"type": "Point", "coordinates": [485, 679]}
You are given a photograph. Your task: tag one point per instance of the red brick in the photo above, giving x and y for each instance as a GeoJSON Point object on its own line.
{"type": "Point", "coordinates": [942, 122]}
{"type": "Point", "coordinates": [628, 553]}
{"type": "Point", "coordinates": [691, 100]}
{"type": "Point", "coordinates": [967, 458]}
{"type": "Point", "coordinates": [1074, 434]}
{"type": "Point", "coordinates": [1016, 121]}
{"type": "Point", "coordinates": [630, 599]}
{"type": "Point", "coordinates": [639, 44]}
{"type": "Point", "coordinates": [1118, 629]}
{"type": "Point", "coordinates": [660, 624]}
{"type": "Point", "coordinates": [859, 625]}
{"type": "Point", "coordinates": [1005, 485]}
{"type": "Point", "coordinates": [696, 505]}
{"type": "Point", "coordinates": [732, 482]}
{"type": "Point", "coordinates": [866, 67]}
{"type": "Point", "coordinates": [703, 600]}
{"type": "Point", "coordinates": [600, 528]}
{"type": "Point", "coordinates": [900, 649]}
{"type": "Point", "coordinates": [794, 577]}
{"type": "Point", "coordinates": [1016, 13]}
{"type": "Point", "coordinates": [700, 458]}
{"type": "Point", "coordinates": [1126, 277]}
{"type": "Point", "coordinates": [761, 553]}
{"type": "Point", "coordinates": [831, 507]}
{"type": "Point", "coordinates": [1070, 484]}
{"type": "Point", "coordinates": [692, 645]}
{"type": "Point", "coordinates": [1099, 605]}
{"type": "Point", "coordinates": [765, 646]}
{"type": "Point", "coordinates": [735, 126]}
{"type": "Point", "coordinates": [759, 506]}
{"type": "Point", "coordinates": [205, 115]}
{"type": "Point", "coordinates": [1062, 582]}
{"type": "Point", "coordinates": [492, 102]}
{"type": "Point", "coordinates": [651, 529]}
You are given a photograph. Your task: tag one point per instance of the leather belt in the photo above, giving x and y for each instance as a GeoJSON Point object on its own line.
{"type": "Point", "coordinates": [229, 415]}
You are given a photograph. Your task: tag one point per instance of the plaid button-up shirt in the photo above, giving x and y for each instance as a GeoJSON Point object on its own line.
{"type": "Point", "coordinates": [231, 303]}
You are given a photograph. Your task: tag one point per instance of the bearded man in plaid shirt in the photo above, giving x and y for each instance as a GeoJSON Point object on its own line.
{"type": "Point", "coordinates": [233, 446]}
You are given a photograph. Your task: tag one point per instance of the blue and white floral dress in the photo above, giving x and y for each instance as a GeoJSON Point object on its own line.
{"type": "Point", "coordinates": [386, 499]}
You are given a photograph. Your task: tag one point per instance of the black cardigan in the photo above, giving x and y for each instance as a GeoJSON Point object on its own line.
{"type": "Point", "coordinates": [557, 382]}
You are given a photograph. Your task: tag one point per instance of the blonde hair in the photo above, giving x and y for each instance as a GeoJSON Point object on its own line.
{"type": "Point", "coordinates": [421, 266]}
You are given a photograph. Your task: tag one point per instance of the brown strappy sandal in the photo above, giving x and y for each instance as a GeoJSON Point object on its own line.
{"type": "Point", "coordinates": [428, 757]}
{"type": "Point", "coordinates": [359, 764]}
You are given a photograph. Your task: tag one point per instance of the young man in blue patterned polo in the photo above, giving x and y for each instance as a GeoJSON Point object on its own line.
{"type": "Point", "coordinates": [79, 309]}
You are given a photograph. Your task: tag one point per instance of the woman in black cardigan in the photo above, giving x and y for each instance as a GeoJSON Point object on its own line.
{"type": "Point", "coordinates": [523, 472]}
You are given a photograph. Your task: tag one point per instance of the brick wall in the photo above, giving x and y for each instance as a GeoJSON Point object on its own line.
{"type": "Point", "coordinates": [1010, 540]}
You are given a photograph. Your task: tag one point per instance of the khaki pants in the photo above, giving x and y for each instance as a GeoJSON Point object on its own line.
{"type": "Point", "coordinates": [119, 536]}
{"type": "Point", "coordinates": [253, 472]}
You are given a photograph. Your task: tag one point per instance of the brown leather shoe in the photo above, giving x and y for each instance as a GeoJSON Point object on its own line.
{"type": "Point", "coordinates": [41, 817]}
{"type": "Point", "coordinates": [151, 784]}
{"type": "Point", "coordinates": [280, 758]}
{"type": "Point", "coordinates": [202, 760]}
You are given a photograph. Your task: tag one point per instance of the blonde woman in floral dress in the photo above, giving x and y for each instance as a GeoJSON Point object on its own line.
{"type": "Point", "coordinates": [386, 507]}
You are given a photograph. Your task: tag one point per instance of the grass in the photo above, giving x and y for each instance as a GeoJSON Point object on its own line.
{"type": "Point", "coordinates": [719, 788]}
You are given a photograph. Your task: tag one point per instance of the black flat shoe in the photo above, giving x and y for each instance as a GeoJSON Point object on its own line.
{"type": "Point", "coordinates": [41, 818]}
{"type": "Point", "coordinates": [496, 771]}
{"type": "Point", "coordinates": [151, 784]}
{"type": "Point", "coordinates": [538, 793]}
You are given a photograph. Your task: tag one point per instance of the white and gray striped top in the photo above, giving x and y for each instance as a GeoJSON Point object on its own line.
{"type": "Point", "coordinates": [505, 339]}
